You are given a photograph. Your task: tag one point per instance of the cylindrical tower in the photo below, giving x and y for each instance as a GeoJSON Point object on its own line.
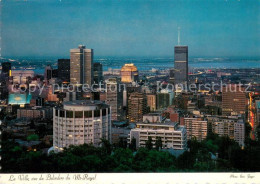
{"type": "Point", "coordinates": [79, 122]}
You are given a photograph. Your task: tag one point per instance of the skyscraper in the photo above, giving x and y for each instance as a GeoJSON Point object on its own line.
{"type": "Point", "coordinates": [137, 107]}
{"type": "Point", "coordinates": [64, 70]}
{"type": "Point", "coordinates": [6, 67]}
{"type": "Point", "coordinates": [114, 98]}
{"type": "Point", "coordinates": [181, 64]}
{"type": "Point", "coordinates": [98, 73]}
{"type": "Point", "coordinates": [81, 65]}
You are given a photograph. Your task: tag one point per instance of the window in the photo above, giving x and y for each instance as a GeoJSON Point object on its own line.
{"type": "Point", "coordinates": [56, 112]}
{"type": "Point", "coordinates": [62, 114]}
{"type": "Point", "coordinates": [69, 114]}
{"type": "Point", "coordinates": [78, 114]}
{"type": "Point", "coordinates": [96, 113]}
{"type": "Point", "coordinates": [88, 114]}
{"type": "Point", "coordinates": [104, 112]}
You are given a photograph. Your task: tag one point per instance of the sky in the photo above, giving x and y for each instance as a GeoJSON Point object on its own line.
{"type": "Point", "coordinates": [138, 28]}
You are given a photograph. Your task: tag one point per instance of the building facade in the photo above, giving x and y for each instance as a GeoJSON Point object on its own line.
{"type": "Point", "coordinates": [98, 73]}
{"type": "Point", "coordinates": [196, 128]}
{"type": "Point", "coordinates": [81, 66]}
{"type": "Point", "coordinates": [64, 70]}
{"type": "Point", "coordinates": [129, 73]}
{"type": "Point", "coordinates": [180, 64]}
{"type": "Point", "coordinates": [114, 98]}
{"type": "Point", "coordinates": [151, 101]}
{"type": "Point", "coordinates": [35, 112]}
{"type": "Point", "coordinates": [6, 67]}
{"type": "Point", "coordinates": [233, 100]}
{"type": "Point", "coordinates": [137, 107]}
{"type": "Point", "coordinates": [79, 122]}
{"type": "Point", "coordinates": [171, 134]}
{"type": "Point", "coordinates": [164, 99]}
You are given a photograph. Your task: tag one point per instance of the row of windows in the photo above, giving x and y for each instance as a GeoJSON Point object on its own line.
{"type": "Point", "coordinates": [79, 114]}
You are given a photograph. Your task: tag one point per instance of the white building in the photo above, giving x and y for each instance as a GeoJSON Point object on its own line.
{"type": "Point", "coordinates": [172, 135]}
{"type": "Point", "coordinates": [230, 126]}
{"type": "Point", "coordinates": [239, 132]}
{"type": "Point", "coordinates": [79, 122]}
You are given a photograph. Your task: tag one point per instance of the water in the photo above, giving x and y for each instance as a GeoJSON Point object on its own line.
{"type": "Point", "coordinates": [142, 63]}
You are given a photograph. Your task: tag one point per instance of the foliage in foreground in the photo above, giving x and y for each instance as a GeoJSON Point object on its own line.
{"type": "Point", "coordinates": [87, 158]}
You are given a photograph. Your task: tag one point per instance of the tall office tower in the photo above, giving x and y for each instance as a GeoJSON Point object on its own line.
{"type": "Point", "coordinates": [129, 73]}
{"type": "Point", "coordinates": [196, 128]}
{"type": "Point", "coordinates": [233, 100]}
{"type": "Point", "coordinates": [6, 67]}
{"type": "Point", "coordinates": [79, 122]}
{"type": "Point", "coordinates": [164, 98]}
{"type": "Point", "coordinates": [64, 70]}
{"type": "Point", "coordinates": [137, 107]}
{"type": "Point", "coordinates": [98, 73]}
{"type": "Point", "coordinates": [181, 64]}
{"type": "Point", "coordinates": [114, 98]}
{"type": "Point", "coordinates": [151, 101]}
{"type": "Point", "coordinates": [81, 66]}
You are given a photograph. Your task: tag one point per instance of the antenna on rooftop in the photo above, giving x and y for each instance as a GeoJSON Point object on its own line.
{"type": "Point", "coordinates": [179, 36]}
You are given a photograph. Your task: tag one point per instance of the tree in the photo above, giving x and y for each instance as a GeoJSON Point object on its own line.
{"type": "Point", "coordinates": [122, 143]}
{"type": "Point", "coordinates": [33, 137]}
{"type": "Point", "coordinates": [132, 144]}
{"type": "Point", "coordinates": [158, 143]}
{"type": "Point", "coordinates": [106, 146]}
{"type": "Point", "coordinates": [149, 144]}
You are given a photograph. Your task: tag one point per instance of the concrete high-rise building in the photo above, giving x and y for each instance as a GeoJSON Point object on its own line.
{"type": "Point", "coordinates": [196, 128]}
{"type": "Point", "coordinates": [79, 122]}
{"type": "Point", "coordinates": [64, 70]}
{"type": "Point", "coordinates": [114, 98]}
{"type": "Point", "coordinates": [151, 101]}
{"type": "Point", "coordinates": [137, 107]}
{"type": "Point", "coordinates": [98, 73]}
{"type": "Point", "coordinates": [180, 64]}
{"type": "Point", "coordinates": [81, 66]}
{"type": "Point", "coordinates": [129, 73]}
{"type": "Point", "coordinates": [171, 134]}
{"type": "Point", "coordinates": [233, 100]}
{"type": "Point", "coordinates": [239, 132]}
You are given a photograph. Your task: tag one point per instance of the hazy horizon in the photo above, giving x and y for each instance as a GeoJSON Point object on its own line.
{"type": "Point", "coordinates": [113, 28]}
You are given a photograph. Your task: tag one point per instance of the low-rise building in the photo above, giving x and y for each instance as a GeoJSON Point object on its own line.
{"type": "Point", "coordinates": [171, 134]}
{"type": "Point", "coordinates": [35, 112]}
{"type": "Point", "coordinates": [152, 118]}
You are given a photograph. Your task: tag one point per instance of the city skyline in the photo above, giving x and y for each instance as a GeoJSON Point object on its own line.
{"type": "Point", "coordinates": [130, 28]}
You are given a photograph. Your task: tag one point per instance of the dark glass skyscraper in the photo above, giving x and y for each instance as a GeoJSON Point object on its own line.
{"type": "Point", "coordinates": [98, 72]}
{"type": "Point", "coordinates": [6, 67]}
{"type": "Point", "coordinates": [181, 64]}
{"type": "Point", "coordinates": [64, 70]}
